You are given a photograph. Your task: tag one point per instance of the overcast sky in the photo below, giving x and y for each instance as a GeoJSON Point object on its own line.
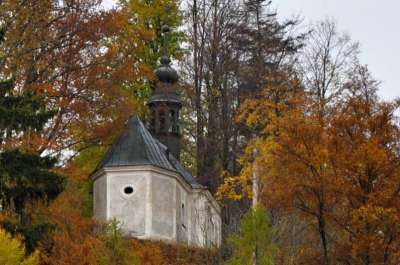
{"type": "Point", "coordinates": [375, 24]}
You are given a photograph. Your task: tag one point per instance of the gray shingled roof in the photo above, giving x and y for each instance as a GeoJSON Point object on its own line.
{"type": "Point", "coordinates": [136, 146]}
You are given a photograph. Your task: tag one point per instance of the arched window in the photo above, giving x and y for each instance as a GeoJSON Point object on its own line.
{"type": "Point", "coordinates": [161, 116]}
{"type": "Point", "coordinates": [172, 121]}
{"type": "Point", "coordinates": [153, 120]}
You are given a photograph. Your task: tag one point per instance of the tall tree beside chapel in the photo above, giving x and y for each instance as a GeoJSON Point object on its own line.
{"type": "Point", "coordinates": [339, 174]}
{"type": "Point", "coordinates": [26, 177]}
{"type": "Point", "coordinates": [235, 48]}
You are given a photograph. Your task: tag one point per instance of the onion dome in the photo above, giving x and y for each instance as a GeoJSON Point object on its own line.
{"type": "Point", "coordinates": [165, 73]}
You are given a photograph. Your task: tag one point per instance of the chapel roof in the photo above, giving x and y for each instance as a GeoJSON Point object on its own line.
{"type": "Point", "coordinates": [136, 146]}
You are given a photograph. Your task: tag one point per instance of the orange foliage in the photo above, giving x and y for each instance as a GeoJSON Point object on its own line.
{"type": "Point", "coordinates": [333, 175]}
{"type": "Point", "coordinates": [74, 241]}
{"type": "Point", "coordinates": [158, 253]}
{"type": "Point", "coordinates": [78, 57]}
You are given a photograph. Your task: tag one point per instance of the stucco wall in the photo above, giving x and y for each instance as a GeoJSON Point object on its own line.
{"type": "Point", "coordinates": [182, 207]}
{"type": "Point", "coordinates": [163, 207]}
{"type": "Point", "coordinates": [206, 221]}
{"type": "Point", "coordinates": [129, 209]}
{"type": "Point", "coordinates": [100, 198]}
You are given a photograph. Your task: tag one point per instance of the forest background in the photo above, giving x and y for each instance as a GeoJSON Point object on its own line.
{"type": "Point", "coordinates": [279, 118]}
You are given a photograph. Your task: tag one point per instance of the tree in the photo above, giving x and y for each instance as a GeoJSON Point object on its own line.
{"type": "Point", "coordinates": [310, 90]}
{"type": "Point", "coordinates": [62, 56]}
{"type": "Point", "coordinates": [75, 239]}
{"type": "Point", "coordinates": [12, 251]}
{"type": "Point", "coordinates": [325, 62]}
{"type": "Point", "coordinates": [26, 177]}
{"type": "Point", "coordinates": [152, 16]}
{"type": "Point", "coordinates": [337, 172]}
{"type": "Point", "coordinates": [364, 153]}
{"type": "Point", "coordinates": [252, 245]}
{"type": "Point", "coordinates": [232, 55]}
{"type": "Point", "coordinates": [67, 50]}
{"type": "Point", "coordinates": [120, 251]}
{"type": "Point", "coordinates": [149, 18]}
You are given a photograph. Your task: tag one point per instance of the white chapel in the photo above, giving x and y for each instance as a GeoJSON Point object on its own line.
{"type": "Point", "coordinates": [141, 183]}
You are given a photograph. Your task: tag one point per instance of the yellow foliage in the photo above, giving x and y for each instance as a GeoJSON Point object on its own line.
{"type": "Point", "coordinates": [229, 189]}
{"type": "Point", "coordinates": [12, 251]}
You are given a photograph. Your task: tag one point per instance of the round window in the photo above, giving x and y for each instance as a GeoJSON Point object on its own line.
{"type": "Point", "coordinates": [128, 190]}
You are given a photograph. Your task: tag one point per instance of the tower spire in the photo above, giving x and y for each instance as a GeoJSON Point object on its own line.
{"type": "Point", "coordinates": [165, 60]}
{"type": "Point", "coordinates": [164, 103]}
{"type": "Point", "coordinates": [165, 31]}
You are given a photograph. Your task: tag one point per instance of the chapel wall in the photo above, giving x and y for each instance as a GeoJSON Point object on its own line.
{"type": "Point", "coordinates": [128, 194]}
{"type": "Point", "coordinates": [160, 207]}
{"type": "Point", "coordinates": [100, 198]}
{"type": "Point", "coordinates": [182, 215]}
{"type": "Point", "coordinates": [206, 222]}
{"type": "Point", "coordinates": [163, 201]}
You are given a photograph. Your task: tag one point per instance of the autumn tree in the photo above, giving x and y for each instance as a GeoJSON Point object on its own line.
{"type": "Point", "coordinates": [26, 176]}
{"type": "Point", "coordinates": [75, 239]}
{"type": "Point", "coordinates": [364, 154]}
{"type": "Point", "coordinates": [66, 49]}
{"type": "Point", "coordinates": [236, 47]}
{"type": "Point", "coordinates": [338, 172]}
{"type": "Point", "coordinates": [313, 87]}
{"type": "Point", "coordinates": [65, 54]}
{"type": "Point", "coordinates": [150, 18]}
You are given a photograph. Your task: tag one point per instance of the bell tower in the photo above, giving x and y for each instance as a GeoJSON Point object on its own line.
{"type": "Point", "coordinates": [165, 104]}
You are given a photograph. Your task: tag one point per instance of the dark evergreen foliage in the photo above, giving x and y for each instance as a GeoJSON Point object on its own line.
{"type": "Point", "coordinates": [25, 176]}
{"type": "Point", "coordinates": [20, 112]}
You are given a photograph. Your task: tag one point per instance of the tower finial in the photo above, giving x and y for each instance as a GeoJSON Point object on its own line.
{"type": "Point", "coordinates": [164, 60]}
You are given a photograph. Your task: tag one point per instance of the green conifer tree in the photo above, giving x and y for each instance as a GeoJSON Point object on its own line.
{"type": "Point", "coordinates": [252, 245]}
{"type": "Point", "coordinates": [25, 176]}
{"type": "Point", "coordinates": [119, 250]}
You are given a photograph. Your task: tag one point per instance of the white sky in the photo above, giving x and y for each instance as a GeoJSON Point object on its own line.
{"type": "Point", "coordinates": [375, 24]}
